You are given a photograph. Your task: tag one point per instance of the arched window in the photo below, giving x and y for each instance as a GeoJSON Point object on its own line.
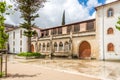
{"type": "Point", "coordinates": [60, 46]}
{"type": "Point", "coordinates": [110, 47]}
{"type": "Point", "coordinates": [66, 48]}
{"type": "Point", "coordinates": [43, 47]}
{"type": "Point", "coordinates": [40, 47]}
{"type": "Point", "coordinates": [110, 12]}
{"type": "Point", "coordinates": [55, 46]}
{"type": "Point", "coordinates": [110, 31]}
{"type": "Point", "coordinates": [48, 46]}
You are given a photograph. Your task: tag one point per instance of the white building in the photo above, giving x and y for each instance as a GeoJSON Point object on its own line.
{"type": "Point", "coordinates": [17, 41]}
{"type": "Point", "coordinates": [107, 34]}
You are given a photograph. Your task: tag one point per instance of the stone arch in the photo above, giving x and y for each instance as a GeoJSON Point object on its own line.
{"type": "Point", "coordinates": [32, 48]}
{"type": "Point", "coordinates": [66, 46]}
{"type": "Point", "coordinates": [48, 46]}
{"type": "Point", "coordinates": [84, 50]}
{"type": "Point", "coordinates": [60, 46]}
{"type": "Point", "coordinates": [55, 46]}
{"type": "Point", "coordinates": [43, 48]}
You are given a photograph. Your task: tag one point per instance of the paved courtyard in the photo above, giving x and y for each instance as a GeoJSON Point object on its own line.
{"type": "Point", "coordinates": [62, 69]}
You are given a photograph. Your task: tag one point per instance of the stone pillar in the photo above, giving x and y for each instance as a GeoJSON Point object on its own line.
{"type": "Point", "coordinates": [70, 45]}
{"type": "Point", "coordinates": [51, 48]}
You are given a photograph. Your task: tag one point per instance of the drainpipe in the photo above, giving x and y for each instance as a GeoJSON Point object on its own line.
{"type": "Point", "coordinates": [103, 33]}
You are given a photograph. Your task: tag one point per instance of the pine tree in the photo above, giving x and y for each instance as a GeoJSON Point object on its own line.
{"type": "Point", "coordinates": [29, 9]}
{"type": "Point", "coordinates": [63, 18]}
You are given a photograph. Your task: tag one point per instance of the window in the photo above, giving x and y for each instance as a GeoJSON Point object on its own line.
{"type": "Point", "coordinates": [48, 46]}
{"type": "Point", "coordinates": [43, 46]}
{"type": "Point", "coordinates": [59, 30]}
{"type": "Point", "coordinates": [66, 47]}
{"type": "Point", "coordinates": [20, 33]}
{"type": "Point", "coordinates": [76, 28]}
{"type": "Point", "coordinates": [39, 47]}
{"type": "Point", "coordinates": [110, 47]}
{"type": "Point", "coordinates": [13, 35]}
{"type": "Point", "coordinates": [54, 31]}
{"type": "Point", "coordinates": [55, 46]}
{"type": "Point", "coordinates": [69, 29]}
{"type": "Point", "coordinates": [47, 32]}
{"type": "Point", "coordinates": [13, 50]}
{"type": "Point", "coordinates": [90, 25]}
{"type": "Point", "coordinates": [20, 49]}
{"type": "Point", "coordinates": [13, 43]}
{"type": "Point", "coordinates": [42, 34]}
{"type": "Point", "coordinates": [60, 46]}
{"type": "Point", "coordinates": [110, 12]}
{"type": "Point", "coordinates": [21, 42]}
{"type": "Point", "coordinates": [110, 31]}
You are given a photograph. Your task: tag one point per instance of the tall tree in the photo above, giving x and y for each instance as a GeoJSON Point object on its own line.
{"type": "Point", "coordinates": [118, 24]}
{"type": "Point", "coordinates": [63, 18]}
{"type": "Point", "coordinates": [3, 11]}
{"type": "Point", "coordinates": [29, 9]}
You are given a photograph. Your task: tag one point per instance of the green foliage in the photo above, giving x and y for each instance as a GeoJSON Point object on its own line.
{"type": "Point", "coordinates": [3, 35]}
{"type": "Point", "coordinates": [28, 9]}
{"type": "Point", "coordinates": [63, 18]}
{"type": "Point", "coordinates": [118, 24]}
{"type": "Point", "coordinates": [2, 74]}
{"type": "Point", "coordinates": [30, 33]}
{"type": "Point", "coordinates": [30, 54]}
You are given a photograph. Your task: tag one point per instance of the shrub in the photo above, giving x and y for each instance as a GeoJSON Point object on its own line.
{"type": "Point", "coordinates": [1, 74]}
{"type": "Point", "coordinates": [31, 54]}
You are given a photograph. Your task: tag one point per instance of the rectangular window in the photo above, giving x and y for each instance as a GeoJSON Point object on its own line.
{"type": "Point", "coordinates": [21, 42]}
{"type": "Point", "coordinates": [59, 30]}
{"type": "Point", "coordinates": [90, 26]}
{"type": "Point", "coordinates": [13, 50]}
{"type": "Point", "coordinates": [20, 33]}
{"type": "Point", "coordinates": [42, 34]}
{"type": "Point", "coordinates": [69, 29]}
{"type": "Point", "coordinates": [20, 49]}
{"type": "Point", "coordinates": [13, 43]}
{"type": "Point", "coordinates": [13, 35]}
{"type": "Point", "coordinates": [76, 27]}
{"type": "Point", "coordinates": [47, 32]}
{"type": "Point", "coordinates": [54, 31]}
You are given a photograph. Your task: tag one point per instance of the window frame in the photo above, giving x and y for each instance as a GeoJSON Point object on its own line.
{"type": "Point", "coordinates": [110, 47]}
{"type": "Point", "coordinates": [110, 12]}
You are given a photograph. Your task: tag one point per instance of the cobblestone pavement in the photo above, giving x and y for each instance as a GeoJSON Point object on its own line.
{"type": "Point", "coordinates": [101, 69]}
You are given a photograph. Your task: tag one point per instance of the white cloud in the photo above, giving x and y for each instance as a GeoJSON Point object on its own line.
{"type": "Point", "coordinates": [51, 13]}
{"type": "Point", "coordinates": [109, 1]}
{"type": "Point", "coordinates": [92, 3]}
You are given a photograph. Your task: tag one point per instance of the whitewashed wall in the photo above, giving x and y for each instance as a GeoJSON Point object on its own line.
{"type": "Point", "coordinates": [17, 39]}
{"type": "Point", "coordinates": [103, 23]}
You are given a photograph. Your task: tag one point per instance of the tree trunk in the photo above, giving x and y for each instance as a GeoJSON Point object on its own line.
{"type": "Point", "coordinates": [29, 44]}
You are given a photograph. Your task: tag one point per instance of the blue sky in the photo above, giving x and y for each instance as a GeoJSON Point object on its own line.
{"type": "Point", "coordinates": [51, 13]}
{"type": "Point", "coordinates": [92, 10]}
